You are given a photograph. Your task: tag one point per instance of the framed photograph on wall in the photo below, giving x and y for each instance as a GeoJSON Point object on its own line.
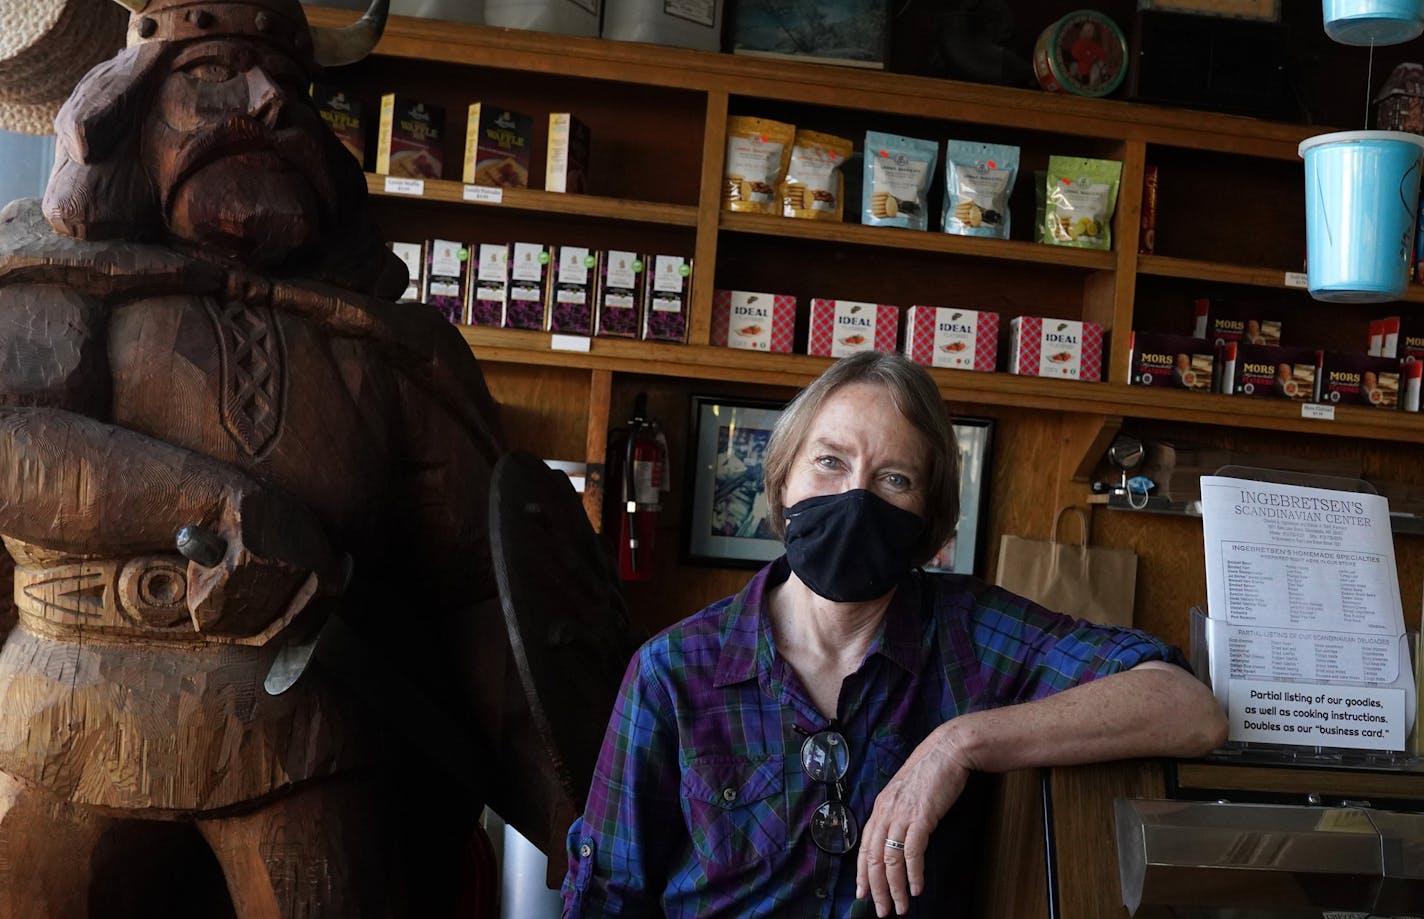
{"type": "Point", "coordinates": [727, 510]}
{"type": "Point", "coordinates": [964, 553]}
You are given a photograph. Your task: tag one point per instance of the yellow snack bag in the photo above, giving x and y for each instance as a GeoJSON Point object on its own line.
{"type": "Point", "coordinates": [758, 151]}
{"type": "Point", "coordinates": [814, 185]}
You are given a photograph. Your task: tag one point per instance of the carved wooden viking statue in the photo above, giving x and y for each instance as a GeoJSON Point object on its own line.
{"type": "Point", "coordinates": [196, 332]}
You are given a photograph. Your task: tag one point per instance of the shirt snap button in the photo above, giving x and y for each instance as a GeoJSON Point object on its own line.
{"type": "Point", "coordinates": [729, 795]}
{"type": "Point", "coordinates": [585, 850]}
{"type": "Point", "coordinates": [821, 892]}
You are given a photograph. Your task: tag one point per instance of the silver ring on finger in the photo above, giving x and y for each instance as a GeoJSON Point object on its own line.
{"type": "Point", "coordinates": [894, 844]}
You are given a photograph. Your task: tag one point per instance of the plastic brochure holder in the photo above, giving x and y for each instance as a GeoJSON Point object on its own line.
{"type": "Point", "coordinates": [1409, 760]}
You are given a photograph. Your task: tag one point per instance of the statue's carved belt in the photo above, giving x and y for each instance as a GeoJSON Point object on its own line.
{"type": "Point", "coordinates": [146, 596]}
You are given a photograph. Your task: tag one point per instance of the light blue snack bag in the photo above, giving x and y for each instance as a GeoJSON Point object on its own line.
{"type": "Point", "coordinates": [978, 180]}
{"type": "Point", "coordinates": [898, 173]}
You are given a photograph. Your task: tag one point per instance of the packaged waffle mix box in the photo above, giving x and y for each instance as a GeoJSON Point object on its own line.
{"type": "Point", "coordinates": [1044, 347]}
{"type": "Point", "coordinates": [489, 293]}
{"type": "Point", "coordinates": [1271, 372]}
{"type": "Point", "coordinates": [446, 274]}
{"type": "Point", "coordinates": [413, 256]}
{"type": "Point", "coordinates": [1173, 361]}
{"type": "Point", "coordinates": [753, 321]}
{"type": "Point", "coordinates": [843, 327]}
{"type": "Point", "coordinates": [1356, 379]}
{"type": "Point", "coordinates": [345, 115]}
{"type": "Point", "coordinates": [528, 280]}
{"type": "Point", "coordinates": [667, 298]}
{"type": "Point", "coordinates": [571, 293]}
{"type": "Point", "coordinates": [411, 140]}
{"type": "Point", "coordinates": [1221, 321]}
{"type": "Point", "coordinates": [943, 336]}
{"type": "Point", "coordinates": [619, 295]}
{"type": "Point", "coordinates": [497, 147]}
{"type": "Point", "coordinates": [566, 167]}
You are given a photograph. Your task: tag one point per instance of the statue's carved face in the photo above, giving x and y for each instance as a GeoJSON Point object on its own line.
{"type": "Point", "coordinates": [236, 152]}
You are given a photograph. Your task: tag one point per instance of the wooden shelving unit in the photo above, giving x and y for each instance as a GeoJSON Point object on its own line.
{"type": "Point", "coordinates": [1230, 224]}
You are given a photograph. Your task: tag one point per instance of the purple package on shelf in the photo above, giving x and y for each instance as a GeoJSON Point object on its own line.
{"type": "Point", "coordinates": [619, 294]}
{"type": "Point", "coordinates": [446, 276]}
{"type": "Point", "coordinates": [528, 275]}
{"type": "Point", "coordinates": [570, 300]}
{"type": "Point", "coordinates": [669, 293]}
{"type": "Point", "coordinates": [490, 289]}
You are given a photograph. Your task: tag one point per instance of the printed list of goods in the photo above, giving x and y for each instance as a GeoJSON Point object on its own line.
{"type": "Point", "coordinates": [1306, 631]}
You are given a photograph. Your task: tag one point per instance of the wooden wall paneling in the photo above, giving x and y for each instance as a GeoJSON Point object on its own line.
{"type": "Point", "coordinates": [714, 153]}
{"type": "Point", "coordinates": [543, 409]}
{"type": "Point", "coordinates": [600, 394]}
{"type": "Point", "coordinates": [1084, 834]}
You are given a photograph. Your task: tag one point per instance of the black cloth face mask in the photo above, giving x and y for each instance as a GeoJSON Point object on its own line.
{"type": "Point", "coordinates": [850, 547]}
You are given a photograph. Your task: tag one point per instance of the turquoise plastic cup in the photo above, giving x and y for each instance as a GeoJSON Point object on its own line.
{"type": "Point", "coordinates": [1373, 22]}
{"type": "Point", "coordinates": [1361, 201]}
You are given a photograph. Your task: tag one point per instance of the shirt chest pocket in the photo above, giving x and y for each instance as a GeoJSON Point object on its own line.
{"type": "Point", "coordinates": [735, 808]}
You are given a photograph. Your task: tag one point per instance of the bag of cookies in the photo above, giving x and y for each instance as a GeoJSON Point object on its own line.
{"type": "Point", "coordinates": [898, 172]}
{"type": "Point", "coordinates": [758, 152]}
{"type": "Point", "coordinates": [815, 186]}
{"type": "Point", "coordinates": [978, 179]}
{"type": "Point", "coordinates": [1081, 195]}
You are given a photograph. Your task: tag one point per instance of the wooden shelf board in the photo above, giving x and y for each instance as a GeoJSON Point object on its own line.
{"type": "Point", "coordinates": [962, 386]}
{"type": "Point", "coordinates": [921, 240]}
{"type": "Point", "coordinates": [534, 201]}
{"type": "Point", "coordinates": [1194, 270]}
{"type": "Point", "coordinates": [822, 84]}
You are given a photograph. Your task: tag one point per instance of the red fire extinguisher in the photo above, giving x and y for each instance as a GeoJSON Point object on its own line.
{"type": "Point", "coordinates": [637, 478]}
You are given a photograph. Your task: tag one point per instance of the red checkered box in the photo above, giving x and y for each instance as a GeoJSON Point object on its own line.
{"type": "Point", "coordinates": [942, 336]}
{"type": "Point", "coordinates": [842, 327]}
{"type": "Point", "coordinates": [753, 321]}
{"type": "Point", "coordinates": [1064, 348]}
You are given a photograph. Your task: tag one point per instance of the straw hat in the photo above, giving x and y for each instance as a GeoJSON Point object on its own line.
{"type": "Point", "coordinates": [46, 46]}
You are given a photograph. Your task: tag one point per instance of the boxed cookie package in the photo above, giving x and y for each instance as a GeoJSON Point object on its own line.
{"type": "Point", "coordinates": [843, 327]}
{"type": "Point", "coordinates": [1174, 361]}
{"type": "Point", "coordinates": [620, 294]}
{"type": "Point", "coordinates": [1357, 379]}
{"type": "Point", "coordinates": [753, 321]}
{"type": "Point", "coordinates": [1397, 336]}
{"type": "Point", "coordinates": [489, 293]}
{"type": "Point", "coordinates": [1044, 347]}
{"type": "Point", "coordinates": [1220, 321]}
{"type": "Point", "coordinates": [497, 147]}
{"type": "Point", "coordinates": [411, 141]}
{"type": "Point", "coordinates": [943, 336]}
{"type": "Point", "coordinates": [1271, 371]}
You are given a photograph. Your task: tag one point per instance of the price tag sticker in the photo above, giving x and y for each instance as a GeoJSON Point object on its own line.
{"type": "Point", "coordinates": [570, 343]}
{"type": "Point", "coordinates": [1321, 411]}
{"type": "Point", "coordinates": [1296, 279]}
{"type": "Point", "coordinates": [484, 194]}
{"type": "Point", "coordinates": [399, 186]}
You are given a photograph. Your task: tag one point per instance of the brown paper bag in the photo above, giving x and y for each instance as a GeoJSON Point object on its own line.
{"type": "Point", "coordinates": [1088, 582]}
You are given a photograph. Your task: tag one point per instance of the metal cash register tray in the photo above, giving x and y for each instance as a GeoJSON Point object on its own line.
{"type": "Point", "coordinates": [1194, 860]}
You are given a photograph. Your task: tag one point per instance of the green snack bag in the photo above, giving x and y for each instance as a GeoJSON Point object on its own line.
{"type": "Point", "coordinates": [1081, 195]}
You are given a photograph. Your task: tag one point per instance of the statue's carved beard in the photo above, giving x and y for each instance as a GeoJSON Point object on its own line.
{"type": "Point", "coordinates": [250, 193]}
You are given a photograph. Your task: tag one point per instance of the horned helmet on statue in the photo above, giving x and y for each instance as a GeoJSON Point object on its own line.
{"type": "Point", "coordinates": [230, 157]}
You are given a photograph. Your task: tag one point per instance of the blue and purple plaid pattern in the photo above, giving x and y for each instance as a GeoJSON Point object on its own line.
{"type": "Point", "coordinates": [699, 806]}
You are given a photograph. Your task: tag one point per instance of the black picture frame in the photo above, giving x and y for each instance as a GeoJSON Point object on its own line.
{"type": "Point", "coordinates": [726, 501]}
{"type": "Point", "coordinates": [964, 553]}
